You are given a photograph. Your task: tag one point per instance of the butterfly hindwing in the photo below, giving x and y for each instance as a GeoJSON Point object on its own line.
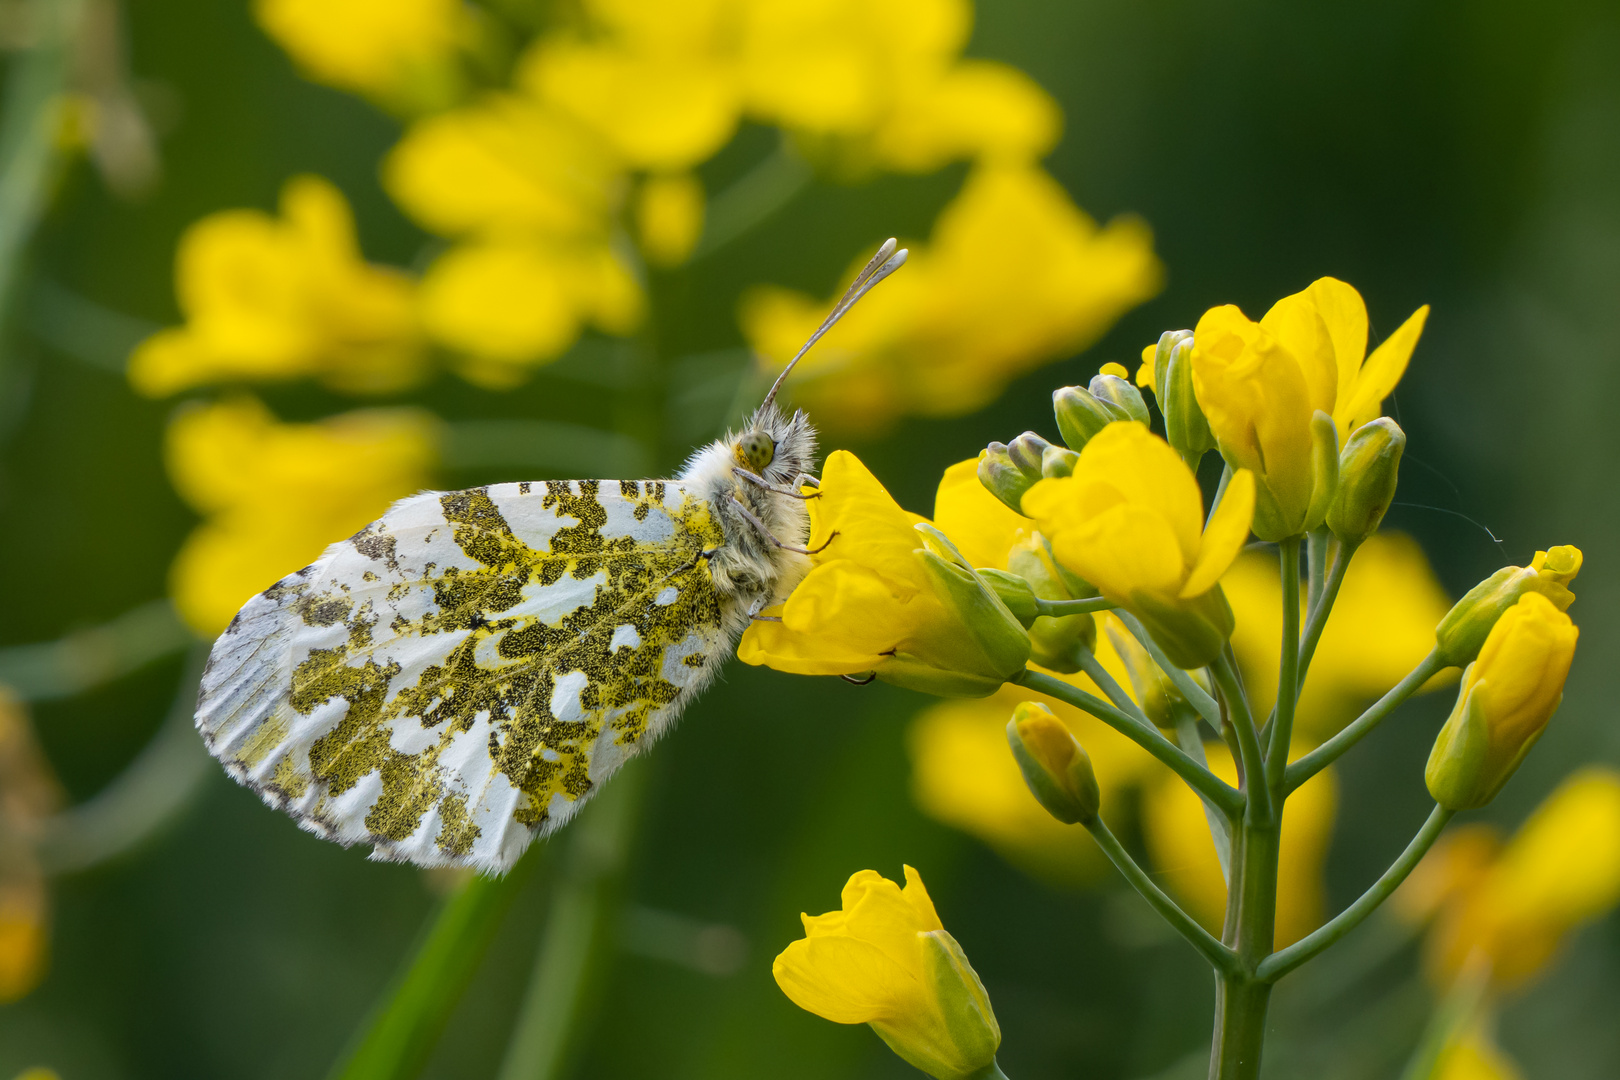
{"type": "Point", "coordinates": [457, 677]}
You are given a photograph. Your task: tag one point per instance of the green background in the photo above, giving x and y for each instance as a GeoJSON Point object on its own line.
{"type": "Point", "coordinates": [1465, 155]}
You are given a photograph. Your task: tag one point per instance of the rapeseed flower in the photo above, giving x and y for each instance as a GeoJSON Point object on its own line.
{"type": "Point", "coordinates": [882, 597]}
{"type": "Point", "coordinates": [1381, 627]}
{"type": "Point", "coordinates": [1130, 521]}
{"type": "Point", "coordinates": [1176, 829]}
{"type": "Point", "coordinates": [1462, 632]}
{"type": "Point", "coordinates": [274, 495]}
{"type": "Point", "coordinates": [1262, 387]}
{"type": "Point", "coordinates": [1014, 276]}
{"type": "Point", "coordinates": [399, 53]}
{"type": "Point", "coordinates": [1511, 908]}
{"type": "Point", "coordinates": [886, 960]}
{"type": "Point", "coordinates": [284, 298]}
{"type": "Point", "coordinates": [1507, 697]}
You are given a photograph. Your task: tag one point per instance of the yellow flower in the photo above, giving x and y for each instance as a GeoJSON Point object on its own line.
{"type": "Point", "coordinates": [1130, 520]}
{"type": "Point", "coordinates": [1177, 834]}
{"type": "Point", "coordinates": [669, 217]}
{"type": "Point", "coordinates": [268, 298]}
{"type": "Point", "coordinates": [886, 960]}
{"type": "Point", "coordinates": [1560, 871]}
{"type": "Point", "coordinates": [1381, 626]}
{"type": "Point", "coordinates": [875, 600]}
{"type": "Point", "coordinates": [1261, 384]}
{"type": "Point", "coordinates": [534, 196]}
{"type": "Point", "coordinates": [274, 495]}
{"type": "Point", "coordinates": [1473, 1055]}
{"type": "Point", "coordinates": [1507, 697]}
{"type": "Point", "coordinates": [1015, 276]}
{"type": "Point", "coordinates": [1462, 632]}
{"type": "Point", "coordinates": [398, 52]}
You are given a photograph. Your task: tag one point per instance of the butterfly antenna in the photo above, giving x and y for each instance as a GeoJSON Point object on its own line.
{"type": "Point", "coordinates": [885, 262]}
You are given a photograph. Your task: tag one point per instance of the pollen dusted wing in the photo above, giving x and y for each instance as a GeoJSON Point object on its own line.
{"type": "Point", "coordinates": [456, 678]}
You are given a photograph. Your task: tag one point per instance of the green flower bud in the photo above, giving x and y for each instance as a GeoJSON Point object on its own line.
{"type": "Point", "coordinates": [1056, 768]}
{"type": "Point", "coordinates": [1058, 461]}
{"type": "Point", "coordinates": [1119, 393]}
{"type": "Point", "coordinates": [1026, 453]}
{"type": "Point", "coordinates": [971, 1034]}
{"type": "Point", "coordinates": [1184, 425]}
{"type": "Point", "coordinates": [987, 644]}
{"type": "Point", "coordinates": [1368, 469]}
{"type": "Point", "coordinates": [1014, 591]}
{"type": "Point", "coordinates": [1081, 414]}
{"type": "Point", "coordinates": [1053, 640]}
{"type": "Point", "coordinates": [1003, 478]}
{"type": "Point", "coordinates": [1462, 632]}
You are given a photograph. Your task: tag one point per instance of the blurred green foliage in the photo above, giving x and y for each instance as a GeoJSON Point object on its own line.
{"type": "Point", "coordinates": [1463, 155]}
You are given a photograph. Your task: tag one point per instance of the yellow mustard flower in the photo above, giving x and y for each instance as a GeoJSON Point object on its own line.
{"type": "Point", "coordinates": [877, 600]}
{"type": "Point", "coordinates": [398, 52]}
{"type": "Point", "coordinates": [269, 298]}
{"type": "Point", "coordinates": [1178, 840]}
{"type": "Point", "coordinates": [1130, 520]}
{"type": "Point", "coordinates": [669, 217]}
{"type": "Point", "coordinates": [1462, 632]}
{"type": "Point", "coordinates": [885, 959]}
{"type": "Point", "coordinates": [534, 197]}
{"type": "Point", "coordinates": [1381, 627]}
{"type": "Point", "coordinates": [1513, 911]}
{"type": "Point", "coordinates": [1261, 384]}
{"type": "Point", "coordinates": [28, 794]}
{"type": "Point", "coordinates": [1473, 1055]}
{"type": "Point", "coordinates": [1014, 276]}
{"type": "Point", "coordinates": [1506, 698]}
{"type": "Point", "coordinates": [274, 495]}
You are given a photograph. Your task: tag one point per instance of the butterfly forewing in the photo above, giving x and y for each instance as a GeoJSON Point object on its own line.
{"type": "Point", "coordinates": [456, 678]}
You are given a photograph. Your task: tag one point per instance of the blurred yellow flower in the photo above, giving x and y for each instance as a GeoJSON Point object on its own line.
{"type": "Point", "coordinates": [886, 960]}
{"type": "Point", "coordinates": [1260, 384]}
{"type": "Point", "coordinates": [534, 196]}
{"type": "Point", "coordinates": [269, 298]}
{"type": "Point", "coordinates": [1130, 520]}
{"type": "Point", "coordinates": [400, 53]}
{"type": "Point", "coordinates": [1513, 911]}
{"type": "Point", "coordinates": [669, 217]}
{"type": "Point", "coordinates": [1507, 697]}
{"type": "Point", "coordinates": [1177, 834]}
{"type": "Point", "coordinates": [1473, 1055]}
{"type": "Point", "coordinates": [1015, 276]}
{"type": "Point", "coordinates": [876, 600]}
{"type": "Point", "coordinates": [28, 794]}
{"type": "Point", "coordinates": [274, 495]}
{"type": "Point", "coordinates": [1381, 626]}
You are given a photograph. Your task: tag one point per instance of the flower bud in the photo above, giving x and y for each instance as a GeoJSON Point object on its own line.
{"type": "Point", "coordinates": [1506, 698]}
{"type": "Point", "coordinates": [978, 648]}
{"type": "Point", "coordinates": [1026, 453]}
{"type": "Point", "coordinates": [1058, 461]}
{"type": "Point", "coordinates": [1053, 639]}
{"type": "Point", "coordinates": [1056, 768]}
{"type": "Point", "coordinates": [1117, 392]}
{"type": "Point", "coordinates": [1080, 415]}
{"type": "Point", "coordinates": [1014, 591]}
{"type": "Point", "coordinates": [1462, 632]}
{"type": "Point", "coordinates": [1184, 425]}
{"type": "Point", "coordinates": [1368, 468]}
{"type": "Point", "coordinates": [1003, 478]}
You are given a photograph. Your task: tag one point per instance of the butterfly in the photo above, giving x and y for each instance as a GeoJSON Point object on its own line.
{"type": "Point", "coordinates": [458, 677]}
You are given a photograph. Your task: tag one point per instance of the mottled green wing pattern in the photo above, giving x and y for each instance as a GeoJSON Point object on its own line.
{"type": "Point", "coordinates": [459, 676]}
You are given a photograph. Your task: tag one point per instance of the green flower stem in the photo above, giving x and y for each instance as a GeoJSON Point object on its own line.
{"type": "Point", "coordinates": [1329, 752]}
{"type": "Point", "coordinates": [1338, 558]}
{"type": "Point", "coordinates": [401, 1032]}
{"type": "Point", "coordinates": [1254, 763]}
{"type": "Point", "coordinates": [1107, 684]}
{"type": "Point", "coordinates": [578, 932]}
{"type": "Point", "coordinates": [1282, 962]}
{"type": "Point", "coordinates": [1316, 556]}
{"type": "Point", "coordinates": [991, 1071]}
{"type": "Point", "coordinates": [1221, 827]}
{"type": "Point", "coordinates": [1059, 608]}
{"type": "Point", "coordinates": [1240, 1028]}
{"type": "Point", "coordinates": [1195, 694]}
{"type": "Point", "coordinates": [1200, 779]}
{"type": "Point", "coordinates": [1288, 672]}
{"type": "Point", "coordinates": [1220, 957]}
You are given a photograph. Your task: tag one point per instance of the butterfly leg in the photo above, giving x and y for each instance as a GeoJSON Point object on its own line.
{"type": "Point", "coordinates": [764, 531]}
{"type": "Point", "coordinates": [755, 478]}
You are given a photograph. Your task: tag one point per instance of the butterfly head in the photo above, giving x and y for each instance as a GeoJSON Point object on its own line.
{"type": "Point", "coordinates": [755, 449]}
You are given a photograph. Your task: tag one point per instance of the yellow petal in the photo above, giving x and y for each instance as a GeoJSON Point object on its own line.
{"type": "Point", "coordinates": [1154, 477]}
{"type": "Point", "coordinates": [981, 526]}
{"type": "Point", "coordinates": [1300, 329]}
{"type": "Point", "coordinates": [1379, 375]}
{"type": "Point", "coordinates": [1227, 532]}
{"type": "Point", "coordinates": [1345, 314]}
{"type": "Point", "coordinates": [843, 979]}
{"type": "Point", "coordinates": [1129, 548]}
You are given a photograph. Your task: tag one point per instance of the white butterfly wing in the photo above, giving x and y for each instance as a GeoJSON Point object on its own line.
{"type": "Point", "coordinates": [457, 678]}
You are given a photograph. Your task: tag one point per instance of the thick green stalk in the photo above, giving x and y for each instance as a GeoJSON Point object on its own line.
{"type": "Point", "coordinates": [1276, 966]}
{"type": "Point", "coordinates": [1219, 956]}
{"type": "Point", "coordinates": [1240, 1028]}
{"type": "Point", "coordinates": [1329, 752]}
{"type": "Point", "coordinates": [403, 1029]}
{"type": "Point", "coordinates": [1147, 737]}
{"type": "Point", "coordinates": [1288, 672]}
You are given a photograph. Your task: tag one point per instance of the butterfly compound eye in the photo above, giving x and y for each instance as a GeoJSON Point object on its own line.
{"type": "Point", "coordinates": [756, 450]}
